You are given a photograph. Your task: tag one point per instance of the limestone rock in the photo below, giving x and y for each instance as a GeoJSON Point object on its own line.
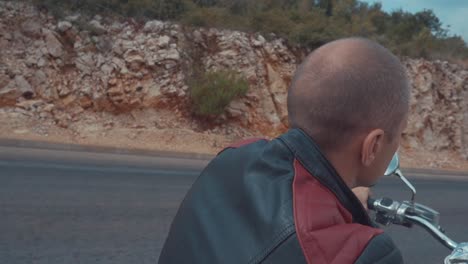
{"type": "Point", "coordinates": [237, 109]}
{"type": "Point", "coordinates": [154, 26]}
{"type": "Point", "coordinates": [30, 104]}
{"type": "Point", "coordinates": [9, 92]}
{"type": "Point", "coordinates": [172, 54]}
{"type": "Point", "coordinates": [97, 28]}
{"type": "Point", "coordinates": [62, 119]}
{"type": "Point", "coordinates": [48, 108]}
{"type": "Point", "coordinates": [134, 61]}
{"type": "Point", "coordinates": [24, 87]}
{"type": "Point", "coordinates": [85, 63]}
{"type": "Point", "coordinates": [39, 78]}
{"type": "Point", "coordinates": [116, 27]}
{"type": "Point", "coordinates": [54, 47]}
{"type": "Point", "coordinates": [278, 89]}
{"type": "Point", "coordinates": [63, 26]}
{"type": "Point", "coordinates": [259, 41]}
{"type": "Point", "coordinates": [164, 41]}
{"type": "Point", "coordinates": [73, 18]}
{"type": "Point", "coordinates": [68, 100]}
{"type": "Point", "coordinates": [198, 37]}
{"type": "Point", "coordinates": [31, 28]}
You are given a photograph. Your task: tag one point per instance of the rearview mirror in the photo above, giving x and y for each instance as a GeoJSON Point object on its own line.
{"type": "Point", "coordinates": [393, 166]}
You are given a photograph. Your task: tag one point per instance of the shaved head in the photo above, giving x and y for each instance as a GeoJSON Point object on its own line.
{"type": "Point", "coordinates": [346, 87]}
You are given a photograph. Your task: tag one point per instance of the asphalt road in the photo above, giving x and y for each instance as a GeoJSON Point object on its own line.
{"type": "Point", "coordinates": [83, 207]}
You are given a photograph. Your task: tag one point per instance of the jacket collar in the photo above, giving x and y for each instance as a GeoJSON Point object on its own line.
{"type": "Point", "coordinates": [309, 154]}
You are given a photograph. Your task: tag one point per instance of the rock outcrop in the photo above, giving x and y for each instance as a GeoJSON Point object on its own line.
{"type": "Point", "coordinates": [438, 106]}
{"type": "Point", "coordinates": [60, 69]}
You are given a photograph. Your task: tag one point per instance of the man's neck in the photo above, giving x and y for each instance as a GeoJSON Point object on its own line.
{"type": "Point", "coordinates": [344, 166]}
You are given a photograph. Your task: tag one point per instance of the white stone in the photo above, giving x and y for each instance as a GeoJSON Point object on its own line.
{"type": "Point", "coordinates": [259, 42]}
{"type": "Point", "coordinates": [30, 61]}
{"type": "Point", "coordinates": [197, 37]}
{"type": "Point", "coordinates": [23, 86]}
{"type": "Point", "coordinates": [10, 88]}
{"type": "Point", "coordinates": [41, 62]}
{"type": "Point", "coordinates": [154, 26]}
{"type": "Point", "coordinates": [39, 78]}
{"type": "Point", "coordinates": [97, 27]}
{"type": "Point", "coordinates": [118, 63]}
{"type": "Point", "coordinates": [107, 69]}
{"type": "Point", "coordinates": [127, 45]}
{"type": "Point", "coordinates": [116, 27]}
{"type": "Point", "coordinates": [163, 41]}
{"type": "Point", "coordinates": [54, 47]}
{"type": "Point", "coordinates": [73, 18]}
{"type": "Point", "coordinates": [172, 54]}
{"type": "Point", "coordinates": [100, 60]}
{"type": "Point", "coordinates": [229, 54]}
{"type": "Point", "coordinates": [63, 26]}
{"type": "Point", "coordinates": [85, 63]}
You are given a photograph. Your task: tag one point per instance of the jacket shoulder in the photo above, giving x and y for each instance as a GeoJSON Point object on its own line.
{"type": "Point", "coordinates": [239, 209]}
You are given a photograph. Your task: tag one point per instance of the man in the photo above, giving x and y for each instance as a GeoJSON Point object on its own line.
{"type": "Point", "coordinates": [289, 200]}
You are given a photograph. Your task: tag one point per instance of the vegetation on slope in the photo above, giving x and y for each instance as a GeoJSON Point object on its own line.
{"type": "Point", "coordinates": [308, 23]}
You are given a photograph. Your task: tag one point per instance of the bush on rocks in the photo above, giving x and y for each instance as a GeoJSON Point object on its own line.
{"type": "Point", "coordinates": [211, 92]}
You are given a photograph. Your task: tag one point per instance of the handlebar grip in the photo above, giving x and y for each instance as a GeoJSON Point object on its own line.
{"type": "Point", "coordinates": [370, 203]}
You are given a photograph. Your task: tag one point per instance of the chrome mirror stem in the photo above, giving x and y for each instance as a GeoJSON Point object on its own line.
{"type": "Point", "coordinates": [399, 174]}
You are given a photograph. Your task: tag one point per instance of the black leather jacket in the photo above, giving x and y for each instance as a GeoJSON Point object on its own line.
{"type": "Point", "coordinates": [276, 201]}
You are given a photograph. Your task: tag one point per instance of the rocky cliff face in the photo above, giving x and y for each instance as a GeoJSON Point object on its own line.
{"type": "Point", "coordinates": [438, 106]}
{"type": "Point", "coordinates": [66, 71]}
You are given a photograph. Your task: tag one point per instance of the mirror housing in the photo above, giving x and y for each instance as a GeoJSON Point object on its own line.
{"type": "Point", "coordinates": [393, 166]}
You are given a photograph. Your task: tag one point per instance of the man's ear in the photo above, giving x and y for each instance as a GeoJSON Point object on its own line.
{"type": "Point", "coordinates": [371, 146]}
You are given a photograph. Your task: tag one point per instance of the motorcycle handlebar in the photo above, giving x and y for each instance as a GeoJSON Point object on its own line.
{"type": "Point", "coordinates": [401, 214]}
{"type": "Point", "coordinates": [433, 230]}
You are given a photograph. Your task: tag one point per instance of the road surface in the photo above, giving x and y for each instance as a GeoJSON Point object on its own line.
{"type": "Point", "coordinates": [84, 207]}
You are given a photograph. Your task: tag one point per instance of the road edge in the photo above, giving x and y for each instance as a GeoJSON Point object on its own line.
{"type": "Point", "coordinates": [20, 143]}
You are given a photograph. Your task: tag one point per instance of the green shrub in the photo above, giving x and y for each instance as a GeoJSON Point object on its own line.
{"type": "Point", "coordinates": [211, 92]}
{"type": "Point", "coordinates": [313, 29]}
{"type": "Point", "coordinates": [272, 21]}
{"type": "Point", "coordinates": [214, 17]}
{"type": "Point", "coordinates": [154, 9]}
